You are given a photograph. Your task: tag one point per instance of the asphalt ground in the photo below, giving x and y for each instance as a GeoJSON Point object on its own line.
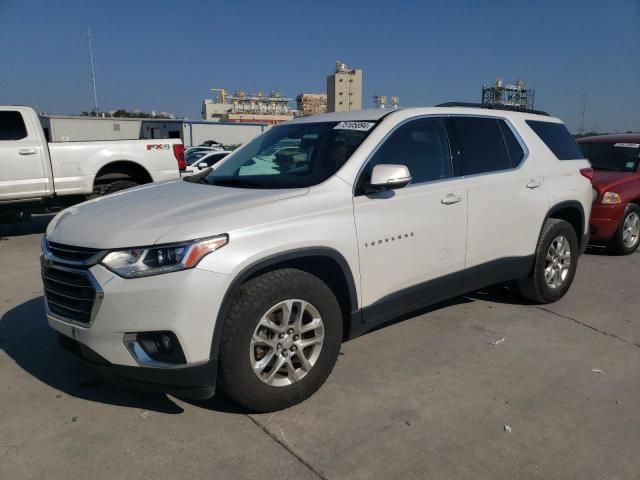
{"type": "Point", "coordinates": [435, 396]}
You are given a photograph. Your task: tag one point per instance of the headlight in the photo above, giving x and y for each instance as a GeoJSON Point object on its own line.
{"type": "Point", "coordinates": [142, 262]}
{"type": "Point", "coordinates": [611, 197]}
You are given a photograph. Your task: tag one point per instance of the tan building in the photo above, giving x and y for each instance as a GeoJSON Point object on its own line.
{"type": "Point", "coordinates": [344, 89]}
{"type": "Point", "coordinates": [311, 103]}
{"type": "Point", "coordinates": [245, 108]}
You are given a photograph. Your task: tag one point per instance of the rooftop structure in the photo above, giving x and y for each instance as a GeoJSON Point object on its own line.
{"type": "Point", "coordinates": [515, 95]}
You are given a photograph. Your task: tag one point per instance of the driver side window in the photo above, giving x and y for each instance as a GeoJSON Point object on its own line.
{"type": "Point", "coordinates": [422, 145]}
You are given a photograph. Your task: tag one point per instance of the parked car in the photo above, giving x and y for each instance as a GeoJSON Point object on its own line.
{"type": "Point", "coordinates": [205, 161]}
{"type": "Point", "coordinates": [254, 290]}
{"type": "Point", "coordinates": [204, 149]}
{"type": "Point", "coordinates": [37, 176]}
{"type": "Point", "coordinates": [615, 215]}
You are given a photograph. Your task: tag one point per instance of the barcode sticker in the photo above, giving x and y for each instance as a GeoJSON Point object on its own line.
{"type": "Point", "coordinates": [362, 126]}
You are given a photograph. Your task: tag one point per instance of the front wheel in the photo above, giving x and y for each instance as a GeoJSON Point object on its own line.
{"type": "Point", "coordinates": [555, 263]}
{"type": "Point", "coordinates": [280, 340]}
{"type": "Point", "coordinates": [627, 237]}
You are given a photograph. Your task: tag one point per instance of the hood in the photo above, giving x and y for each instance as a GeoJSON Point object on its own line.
{"type": "Point", "coordinates": [142, 215]}
{"type": "Point", "coordinates": [605, 180]}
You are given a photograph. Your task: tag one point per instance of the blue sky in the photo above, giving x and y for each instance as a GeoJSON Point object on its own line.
{"type": "Point", "coordinates": [165, 55]}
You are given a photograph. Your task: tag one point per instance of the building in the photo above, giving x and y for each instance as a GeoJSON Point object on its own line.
{"type": "Point", "coordinates": [67, 128]}
{"type": "Point", "coordinates": [214, 111]}
{"type": "Point", "coordinates": [196, 132]}
{"type": "Point", "coordinates": [511, 95]}
{"type": "Point", "coordinates": [242, 107]}
{"type": "Point", "coordinates": [75, 128]}
{"type": "Point", "coordinates": [344, 89]}
{"type": "Point", "coordinates": [311, 103]}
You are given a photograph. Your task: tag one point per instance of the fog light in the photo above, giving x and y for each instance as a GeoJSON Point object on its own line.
{"type": "Point", "coordinates": [164, 343]}
{"type": "Point", "coordinates": [161, 347]}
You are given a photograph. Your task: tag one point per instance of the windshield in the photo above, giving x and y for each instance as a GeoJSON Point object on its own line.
{"type": "Point", "coordinates": [618, 157]}
{"type": "Point", "coordinates": [292, 156]}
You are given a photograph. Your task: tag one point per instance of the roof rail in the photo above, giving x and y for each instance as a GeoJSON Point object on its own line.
{"type": "Point", "coordinates": [490, 106]}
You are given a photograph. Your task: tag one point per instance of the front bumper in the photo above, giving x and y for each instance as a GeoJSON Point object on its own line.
{"type": "Point", "coordinates": [189, 381]}
{"type": "Point", "coordinates": [185, 303]}
{"type": "Point", "coordinates": [605, 220]}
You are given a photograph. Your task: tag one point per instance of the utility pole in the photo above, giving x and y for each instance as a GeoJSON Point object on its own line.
{"type": "Point", "coordinates": [583, 104]}
{"type": "Point", "coordinates": [93, 73]}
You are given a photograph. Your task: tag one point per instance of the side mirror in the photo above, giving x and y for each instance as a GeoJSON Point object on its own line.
{"type": "Point", "coordinates": [389, 177]}
{"type": "Point", "coordinates": [203, 165]}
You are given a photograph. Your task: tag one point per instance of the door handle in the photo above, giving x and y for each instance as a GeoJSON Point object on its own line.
{"type": "Point", "coordinates": [534, 184]}
{"type": "Point", "coordinates": [26, 151]}
{"type": "Point", "coordinates": [450, 199]}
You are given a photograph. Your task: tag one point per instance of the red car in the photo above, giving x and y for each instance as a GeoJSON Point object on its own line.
{"type": "Point", "coordinates": [615, 215]}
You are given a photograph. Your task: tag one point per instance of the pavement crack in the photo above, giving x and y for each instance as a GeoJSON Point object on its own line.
{"type": "Point", "coordinates": [286, 447]}
{"type": "Point", "coordinates": [590, 327]}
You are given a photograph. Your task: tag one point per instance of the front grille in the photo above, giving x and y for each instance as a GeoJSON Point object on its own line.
{"type": "Point", "coordinates": [72, 254]}
{"type": "Point", "coordinates": [69, 294]}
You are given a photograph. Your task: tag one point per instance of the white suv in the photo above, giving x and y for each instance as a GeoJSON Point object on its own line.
{"type": "Point", "coordinates": [363, 217]}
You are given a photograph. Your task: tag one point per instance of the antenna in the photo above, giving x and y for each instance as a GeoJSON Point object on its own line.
{"type": "Point", "coordinates": [583, 104]}
{"type": "Point", "coordinates": [93, 72]}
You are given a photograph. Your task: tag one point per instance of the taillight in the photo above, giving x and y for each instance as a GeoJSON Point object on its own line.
{"type": "Point", "coordinates": [587, 172]}
{"type": "Point", "coordinates": [178, 152]}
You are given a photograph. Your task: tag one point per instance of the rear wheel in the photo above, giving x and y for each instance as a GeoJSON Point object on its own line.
{"type": "Point", "coordinates": [117, 186]}
{"type": "Point", "coordinates": [280, 341]}
{"type": "Point", "coordinates": [627, 237]}
{"type": "Point", "coordinates": [555, 263]}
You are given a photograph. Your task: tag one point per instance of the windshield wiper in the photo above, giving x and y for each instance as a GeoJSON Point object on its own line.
{"type": "Point", "coordinates": [200, 177]}
{"type": "Point", "coordinates": [237, 182]}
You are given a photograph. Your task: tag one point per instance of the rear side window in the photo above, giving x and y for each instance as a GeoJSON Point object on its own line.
{"type": "Point", "coordinates": [12, 126]}
{"type": "Point", "coordinates": [481, 145]}
{"type": "Point", "coordinates": [516, 153]}
{"type": "Point", "coordinates": [422, 145]}
{"type": "Point", "coordinates": [557, 138]}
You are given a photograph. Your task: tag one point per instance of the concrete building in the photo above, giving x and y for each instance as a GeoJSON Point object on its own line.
{"type": "Point", "coordinates": [213, 111]}
{"type": "Point", "coordinates": [311, 103]}
{"type": "Point", "coordinates": [344, 89]}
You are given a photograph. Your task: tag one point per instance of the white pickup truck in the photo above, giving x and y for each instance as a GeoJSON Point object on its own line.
{"type": "Point", "coordinates": [37, 176]}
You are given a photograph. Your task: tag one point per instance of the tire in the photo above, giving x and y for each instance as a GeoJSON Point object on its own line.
{"type": "Point", "coordinates": [538, 287]}
{"type": "Point", "coordinates": [626, 241]}
{"type": "Point", "coordinates": [239, 351]}
{"type": "Point", "coordinates": [117, 186]}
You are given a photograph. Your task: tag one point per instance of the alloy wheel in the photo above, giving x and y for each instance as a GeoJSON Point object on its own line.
{"type": "Point", "coordinates": [557, 262]}
{"type": "Point", "coordinates": [631, 230]}
{"type": "Point", "coordinates": [287, 343]}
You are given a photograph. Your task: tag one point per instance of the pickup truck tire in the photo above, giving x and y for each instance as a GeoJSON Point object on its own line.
{"type": "Point", "coordinates": [555, 263]}
{"type": "Point", "coordinates": [277, 320]}
{"type": "Point", "coordinates": [117, 186]}
{"type": "Point", "coordinates": [627, 237]}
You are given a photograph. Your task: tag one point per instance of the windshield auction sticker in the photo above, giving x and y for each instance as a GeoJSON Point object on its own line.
{"type": "Point", "coordinates": [362, 126]}
{"type": "Point", "coordinates": [627, 145]}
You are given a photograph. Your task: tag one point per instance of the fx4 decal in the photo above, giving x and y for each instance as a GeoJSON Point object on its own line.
{"type": "Point", "coordinates": [158, 146]}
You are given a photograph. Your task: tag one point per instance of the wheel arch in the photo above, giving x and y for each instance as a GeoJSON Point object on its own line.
{"type": "Point", "coordinates": [325, 263]}
{"type": "Point", "coordinates": [120, 170]}
{"type": "Point", "coordinates": [572, 212]}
